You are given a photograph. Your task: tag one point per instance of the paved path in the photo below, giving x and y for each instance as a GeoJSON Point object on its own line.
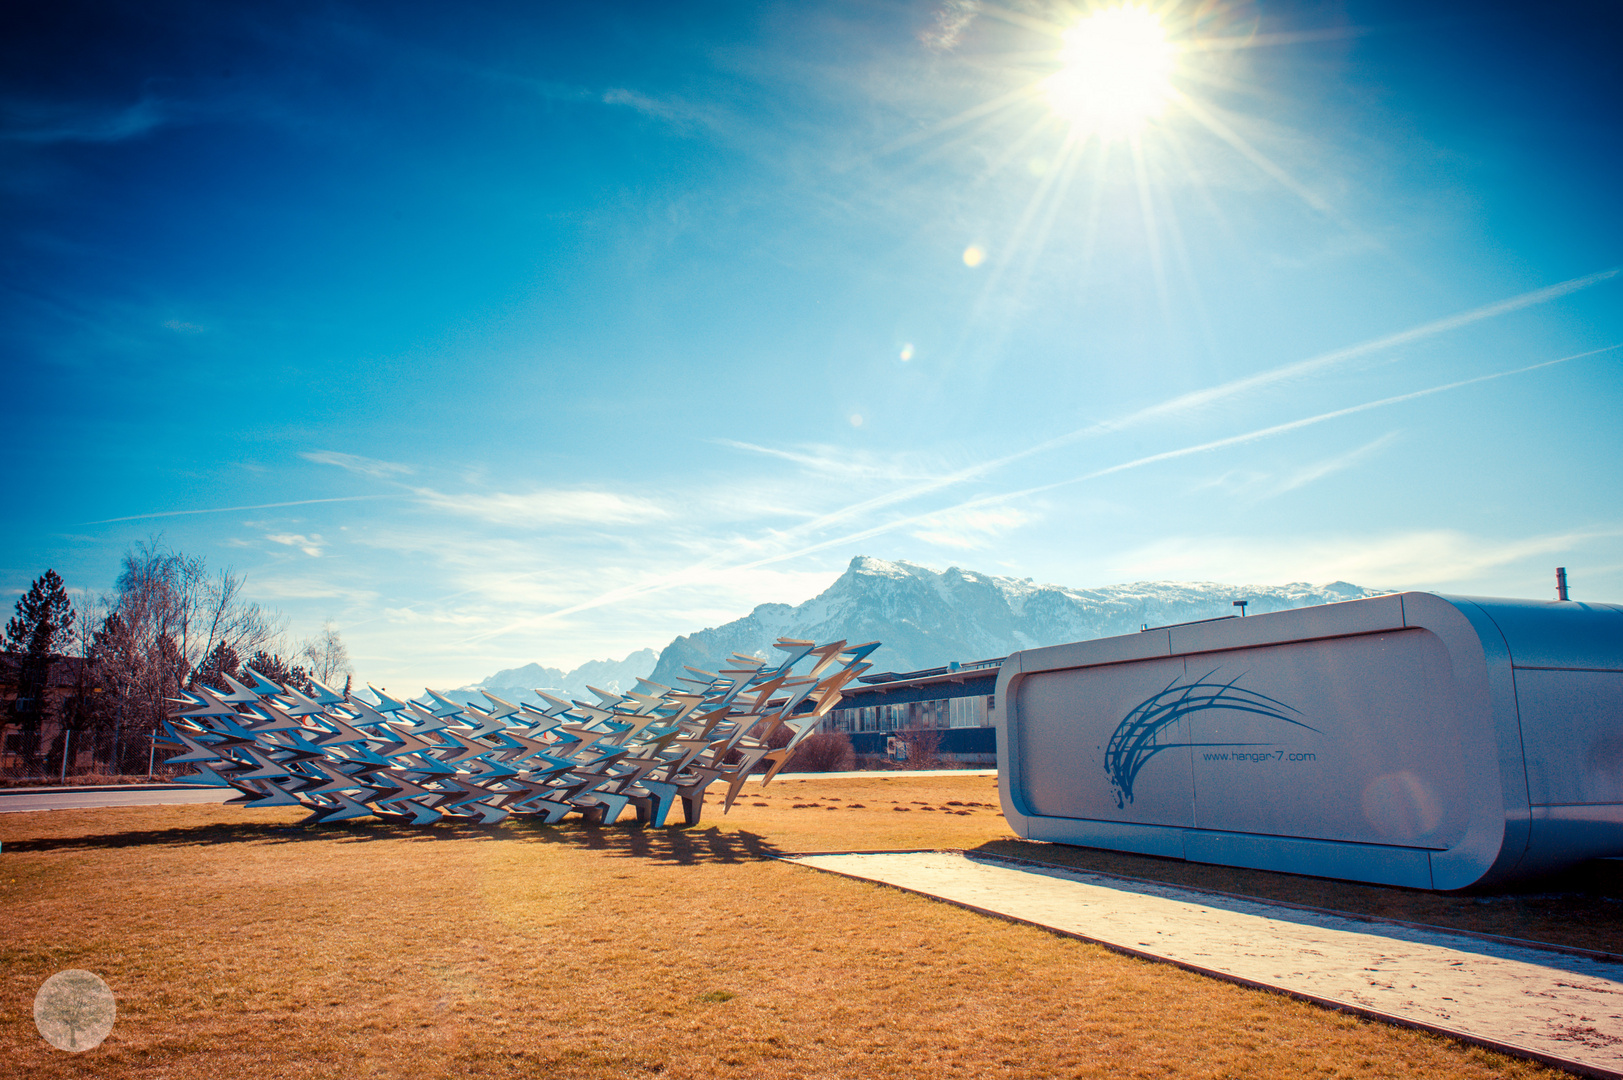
{"type": "Point", "coordinates": [879, 774]}
{"type": "Point", "coordinates": [91, 798]}
{"type": "Point", "coordinates": [1559, 1007]}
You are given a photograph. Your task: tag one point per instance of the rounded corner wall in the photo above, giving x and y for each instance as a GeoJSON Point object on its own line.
{"type": "Point", "coordinates": [1376, 740]}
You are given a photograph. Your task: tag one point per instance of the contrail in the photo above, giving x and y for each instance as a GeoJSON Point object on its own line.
{"type": "Point", "coordinates": [1200, 398]}
{"type": "Point", "coordinates": [1212, 395]}
{"type": "Point", "coordinates": [671, 580]}
{"type": "Point", "coordinates": [1168, 455]}
{"type": "Point", "coordinates": [1293, 425]}
{"type": "Point", "coordinates": [233, 509]}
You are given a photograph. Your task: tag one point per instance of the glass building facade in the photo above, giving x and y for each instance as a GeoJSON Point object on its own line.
{"type": "Point", "coordinates": [959, 712]}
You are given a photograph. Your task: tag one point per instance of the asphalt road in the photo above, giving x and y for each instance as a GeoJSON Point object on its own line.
{"type": "Point", "coordinates": [26, 800]}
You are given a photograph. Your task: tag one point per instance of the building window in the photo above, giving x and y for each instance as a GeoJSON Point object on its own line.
{"type": "Point", "coordinates": [937, 713]}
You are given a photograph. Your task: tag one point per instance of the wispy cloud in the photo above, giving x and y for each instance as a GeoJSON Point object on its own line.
{"type": "Point", "coordinates": [1204, 399]}
{"type": "Point", "coordinates": [1201, 399]}
{"type": "Point", "coordinates": [831, 461]}
{"type": "Point", "coordinates": [1257, 485]}
{"type": "Point", "coordinates": [672, 112]}
{"type": "Point", "coordinates": [310, 545]}
{"type": "Point", "coordinates": [63, 122]}
{"type": "Point", "coordinates": [1257, 435]}
{"type": "Point", "coordinates": [235, 509]}
{"type": "Point", "coordinates": [543, 508]}
{"type": "Point", "coordinates": [300, 586]}
{"type": "Point", "coordinates": [354, 463]}
{"type": "Point", "coordinates": [1311, 474]}
{"type": "Point", "coordinates": [726, 560]}
{"type": "Point", "coordinates": [952, 18]}
{"type": "Point", "coordinates": [437, 617]}
{"type": "Point", "coordinates": [969, 530]}
{"type": "Point", "coordinates": [1413, 559]}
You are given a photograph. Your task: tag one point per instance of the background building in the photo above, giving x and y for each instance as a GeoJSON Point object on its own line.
{"type": "Point", "coordinates": [951, 707]}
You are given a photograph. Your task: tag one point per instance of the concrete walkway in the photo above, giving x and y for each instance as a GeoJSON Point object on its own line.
{"type": "Point", "coordinates": [1564, 1008]}
{"type": "Point", "coordinates": [878, 774]}
{"type": "Point", "coordinates": [89, 798]}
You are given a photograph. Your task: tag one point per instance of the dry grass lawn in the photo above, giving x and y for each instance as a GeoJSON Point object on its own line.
{"type": "Point", "coordinates": [239, 946]}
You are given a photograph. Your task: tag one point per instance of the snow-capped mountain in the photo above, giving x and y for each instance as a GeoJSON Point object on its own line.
{"type": "Point", "coordinates": [927, 618]}
{"type": "Point", "coordinates": [520, 683]}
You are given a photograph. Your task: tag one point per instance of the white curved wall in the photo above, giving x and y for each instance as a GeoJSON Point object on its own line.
{"type": "Point", "coordinates": [1413, 739]}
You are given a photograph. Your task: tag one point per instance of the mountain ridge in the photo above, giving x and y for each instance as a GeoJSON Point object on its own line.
{"type": "Point", "coordinates": [925, 618]}
{"type": "Point", "coordinates": [520, 683]}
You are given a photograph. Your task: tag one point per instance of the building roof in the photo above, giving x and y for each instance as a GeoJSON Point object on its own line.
{"type": "Point", "coordinates": [977, 678]}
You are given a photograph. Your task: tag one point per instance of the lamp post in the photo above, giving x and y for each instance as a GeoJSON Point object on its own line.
{"type": "Point", "coordinates": [1241, 605]}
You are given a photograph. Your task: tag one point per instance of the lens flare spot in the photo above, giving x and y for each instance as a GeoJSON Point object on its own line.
{"type": "Point", "coordinates": [1116, 72]}
{"type": "Point", "coordinates": [856, 419]}
{"type": "Point", "coordinates": [974, 255]}
{"type": "Point", "coordinates": [907, 352]}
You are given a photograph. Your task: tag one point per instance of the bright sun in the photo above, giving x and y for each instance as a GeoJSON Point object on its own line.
{"type": "Point", "coordinates": [1116, 74]}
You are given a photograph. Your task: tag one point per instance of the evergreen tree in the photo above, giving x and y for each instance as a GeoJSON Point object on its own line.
{"type": "Point", "coordinates": [280, 671]}
{"type": "Point", "coordinates": [44, 620]}
{"type": "Point", "coordinates": [222, 661]}
{"type": "Point", "coordinates": [42, 628]}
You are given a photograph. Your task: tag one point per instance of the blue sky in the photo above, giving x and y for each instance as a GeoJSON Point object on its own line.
{"type": "Point", "coordinates": [513, 332]}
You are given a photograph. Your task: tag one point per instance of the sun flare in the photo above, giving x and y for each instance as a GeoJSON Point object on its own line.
{"type": "Point", "coordinates": [1116, 74]}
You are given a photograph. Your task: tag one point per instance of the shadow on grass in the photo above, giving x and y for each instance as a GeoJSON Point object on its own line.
{"type": "Point", "coordinates": [682, 845]}
{"type": "Point", "coordinates": [1579, 908]}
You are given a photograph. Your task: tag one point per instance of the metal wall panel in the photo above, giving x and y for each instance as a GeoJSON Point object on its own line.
{"type": "Point", "coordinates": [1388, 739]}
{"type": "Point", "coordinates": [1572, 729]}
{"type": "Point", "coordinates": [1362, 745]}
{"type": "Point", "coordinates": [1552, 633]}
{"type": "Point", "coordinates": [1071, 768]}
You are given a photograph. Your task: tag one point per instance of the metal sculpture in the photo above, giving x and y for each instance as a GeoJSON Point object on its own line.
{"type": "Point", "coordinates": [435, 759]}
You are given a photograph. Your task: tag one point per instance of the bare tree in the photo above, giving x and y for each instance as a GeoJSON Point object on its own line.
{"type": "Point", "coordinates": [923, 747]}
{"type": "Point", "coordinates": [168, 618]}
{"type": "Point", "coordinates": [325, 657]}
{"type": "Point", "coordinates": [243, 627]}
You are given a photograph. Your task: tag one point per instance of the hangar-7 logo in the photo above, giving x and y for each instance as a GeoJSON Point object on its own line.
{"type": "Point", "coordinates": [1141, 733]}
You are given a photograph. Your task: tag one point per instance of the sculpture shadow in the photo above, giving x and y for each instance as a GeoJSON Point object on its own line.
{"type": "Point", "coordinates": [682, 846]}
{"type": "Point", "coordinates": [676, 845]}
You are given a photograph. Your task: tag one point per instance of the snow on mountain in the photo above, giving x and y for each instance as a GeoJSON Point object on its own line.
{"type": "Point", "coordinates": [520, 683]}
{"type": "Point", "coordinates": [927, 618]}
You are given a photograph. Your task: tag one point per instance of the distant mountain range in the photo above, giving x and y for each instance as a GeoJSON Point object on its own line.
{"type": "Point", "coordinates": [520, 683]}
{"type": "Point", "coordinates": [927, 618]}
